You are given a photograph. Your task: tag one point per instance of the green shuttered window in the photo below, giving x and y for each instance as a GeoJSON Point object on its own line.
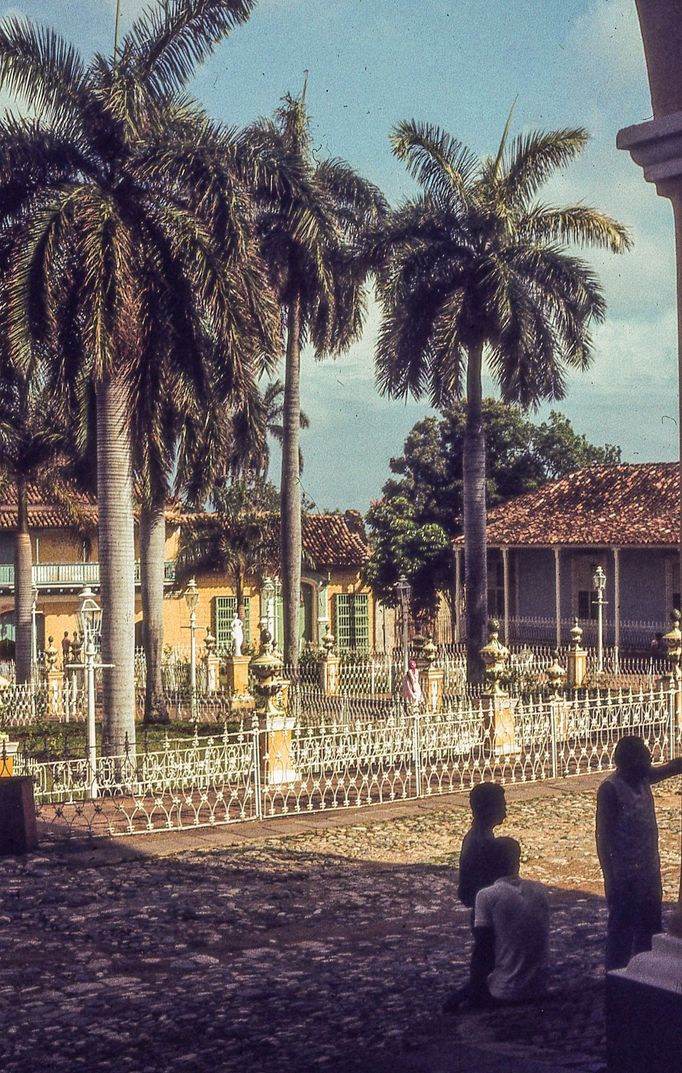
{"type": "Point", "coordinates": [352, 620]}
{"type": "Point", "coordinates": [224, 609]}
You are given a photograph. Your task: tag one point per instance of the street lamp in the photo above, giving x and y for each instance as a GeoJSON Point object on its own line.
{"type": "Point", "coordinates": [90, 622]}
{"type": "Point", "coordinates": [404, 591]}
{"type": "Point", "coordinates": [267, 597]}
{"type": "Point", "coordinates": [192, 599]}
{"type": "Point", "coordinates": [599, 585]}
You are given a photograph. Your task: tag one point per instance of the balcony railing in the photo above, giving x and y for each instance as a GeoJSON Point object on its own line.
{"type": "Point", "coordinates": [72, 575]}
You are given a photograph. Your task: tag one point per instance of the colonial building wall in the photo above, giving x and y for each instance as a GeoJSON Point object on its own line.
{"type": "Point", "coordinates": [535, 584]}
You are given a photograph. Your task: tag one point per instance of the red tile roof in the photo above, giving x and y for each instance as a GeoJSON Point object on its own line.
{"type": "Point", "coordinates": [599, 505]}
{"type": "Point", "coordinates": [69, 509]}
{"type": "Point", "coordinates": [335, 539]}
{"type": "Point", "coordinates": [328, 539]}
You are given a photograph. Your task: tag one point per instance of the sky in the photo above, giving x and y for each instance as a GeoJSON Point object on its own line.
{"type": "Point", "coordinates": [460, 64]}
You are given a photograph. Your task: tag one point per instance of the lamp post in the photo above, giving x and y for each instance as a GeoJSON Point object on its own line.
{"type": "Point", "coordinates": [599, 585]}
{"type": "Point", "coordinates": [404, 591]}
{"type": "Point", "coordinates": [90, 622]}
{"type": "Point", "coordinates": [267, 595]}
{"type": "Point", "coordinates": [192, 599]}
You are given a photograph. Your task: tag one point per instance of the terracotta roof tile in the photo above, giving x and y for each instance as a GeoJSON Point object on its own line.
{"type": "Point", "coordinates": [613, 505]}
{"type": "Point", "coordinates": [328, 539]}
{"type": "Point", "coordinates": [62, 512]}
{"type": "Point", "coordinates": [335, 539]}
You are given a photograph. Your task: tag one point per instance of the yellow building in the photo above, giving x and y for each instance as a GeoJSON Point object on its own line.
{"type": "Point", "coordinates": [64, 543]}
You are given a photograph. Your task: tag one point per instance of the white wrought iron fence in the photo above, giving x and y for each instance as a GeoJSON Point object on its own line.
{"type": "Point", "coordinates": [293, 767]}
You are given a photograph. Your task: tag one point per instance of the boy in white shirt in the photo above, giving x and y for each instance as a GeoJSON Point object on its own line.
{"type": "Point", "coordinates": [511, 933]}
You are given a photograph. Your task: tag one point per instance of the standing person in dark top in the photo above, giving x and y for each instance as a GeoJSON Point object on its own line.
{"type": "Point", "coordinates": [627, 846]}
{"type": "Point", "coordinates": [476, 869]}
{"type": "Point", "coordinates": [489, 809]}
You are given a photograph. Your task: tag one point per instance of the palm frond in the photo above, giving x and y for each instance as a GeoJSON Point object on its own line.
{"type": "Point", "coordinates": [443, 166]}
{"type": "Point", "coordinates": [577, 224]}
{"type": "Point", "coordinates": [40, 67]}
{"type": "Point", "coordinates": [169, 41]}
{"type": "Point", "coordinates": [534, 157]}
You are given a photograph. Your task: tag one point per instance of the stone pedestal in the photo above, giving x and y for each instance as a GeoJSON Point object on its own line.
{"type": "Point", "coordinates": [8, 750]}
{"type": "Point", "coordinates": [433, 688]}
{"type": "Point", "coordinates": [329, 675]}
{"type": "Point", "coordinates": [576, 667]}
{"type": "Point", "coordinates": [18, 832]}
{"type": "Point", "coordinates": [644, 1011]}
{"type": "Point", "coordinates": [55, 692]}
{"type": "Point", "coordinates": [498, 725]}
{"type": "Point", "coordinates": [278, 753]}
{"type": "Point", "coordinates": [237, 668]}
{"type": "Point", "coordinates": [212, 665]}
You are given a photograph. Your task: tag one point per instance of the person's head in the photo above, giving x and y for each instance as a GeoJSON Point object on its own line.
{"type": "Point", "coordinates": [632, 757]}
{"type": "Point", "coordinates": [412, 665]}
{"type": "Point", "coordinates": [66, 633]}
{"type": "Point", "coordinates": [504, 857]}
{"type": "Point", "coordinates": [488, 803]}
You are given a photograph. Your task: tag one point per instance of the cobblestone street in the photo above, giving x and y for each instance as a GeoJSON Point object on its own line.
{"type": "Point", "coordinates": [258, 948]}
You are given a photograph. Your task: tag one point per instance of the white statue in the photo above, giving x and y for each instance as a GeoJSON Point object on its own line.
{"type": "Point", "coordinates": [237, 631]}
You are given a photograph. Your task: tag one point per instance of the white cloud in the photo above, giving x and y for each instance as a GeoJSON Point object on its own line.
{"type": "Point", "coordinates": [606, 38]}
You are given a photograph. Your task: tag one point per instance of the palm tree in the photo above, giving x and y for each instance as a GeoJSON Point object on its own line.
{"type": "Point", "coordinates": [309, 230]}
{"type": "Point", "coordinates": [239, 539]}
{"type": "Point", "coordinates": [136, 237]}
{"type": "Point", "coordinates": [29, 440]}
{"type": "Point", "coordinates": [475, 269]}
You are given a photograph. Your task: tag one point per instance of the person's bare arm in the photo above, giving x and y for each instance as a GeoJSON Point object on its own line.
{"type": "Point", "coordinates": [482, 962]}
{"type": "Point", "coordinates": [607, 814]}
{"type": "Point", "coordinates": [665, 771]}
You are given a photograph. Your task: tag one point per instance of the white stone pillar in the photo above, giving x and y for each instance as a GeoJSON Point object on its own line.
{"type": "Point", "coordinates": [505, 582]}
{"type": "Point", "coordinates": [616, 608]}
{"type": "Point", "coordinates": [458, 594]}
{"type": "Point", "coordinates": [557, 594]}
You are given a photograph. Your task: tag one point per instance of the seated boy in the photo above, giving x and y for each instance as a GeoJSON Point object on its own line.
{"type": "Point", "coordinates": [511, 933]}
{"type": "Point", "coordinates": [489, 808]}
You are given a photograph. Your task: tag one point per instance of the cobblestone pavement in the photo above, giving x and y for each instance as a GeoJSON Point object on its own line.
{"type": "Point", "coordinates": [327, 950]}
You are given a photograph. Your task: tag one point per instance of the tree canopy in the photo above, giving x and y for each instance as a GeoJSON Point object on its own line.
{"type": "Point", "coordinates": [421, 509]}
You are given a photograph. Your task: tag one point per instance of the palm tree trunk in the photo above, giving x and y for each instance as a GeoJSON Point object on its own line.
{"type": "Point", "coordinates": [152, 555]}
{"type": "Point", "coordinates": [475, 550]}
{"type": "Point", "coordinates": [23, 586]}
{"type": "Point", "coordinates": [290, 525]}
{"type": "Point", "coordinates": [117, 566]}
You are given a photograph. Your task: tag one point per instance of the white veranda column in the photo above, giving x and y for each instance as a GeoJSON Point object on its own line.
{"type": "Point", "coordinates": [505, 583]}
{"type": "Point", "coordinates": [557, 594]}
{"type": "Point", "coordinates": [616, 607]}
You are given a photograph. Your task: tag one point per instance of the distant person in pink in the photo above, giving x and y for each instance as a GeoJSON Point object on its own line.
{"type": "Point", "coordinates": [411, 691]}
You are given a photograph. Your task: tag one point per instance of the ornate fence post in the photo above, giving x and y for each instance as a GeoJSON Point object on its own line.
{"type": "Point", "coordinates": [577, 657]}
{"type": "Point", "coordinates": [55, 681]}
{"type": "Point", "coordinates": [558, 709]}
{"type": "Point", "coordinates": [417, 744]}
{"type": "Point", "coordinates": [433, 676]}
{"type": "Point", "coordinates": [672, 642]}
{"type": "Point", "coordinates": [497, 705]}
{"type": "Point", "coordinates": [257, 788]}
{"type": "Point", "coordinates": [211, 663]}
{"type": "Point", "coordinates": [277, 762]}
{"type": "Point", "coordinates": [329, 666]}
{"type": "Point", "coordinates": [237, 670]}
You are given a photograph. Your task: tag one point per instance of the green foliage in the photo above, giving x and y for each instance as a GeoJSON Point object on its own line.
{"type": "Point", "coordinates": [404, 544]}
{"type": "Point", "coordinates": [240, 538]}
{"type": "Point", "coordinates": [421, 510]}
{"type": "Point", "coordinates": [521, 455]}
